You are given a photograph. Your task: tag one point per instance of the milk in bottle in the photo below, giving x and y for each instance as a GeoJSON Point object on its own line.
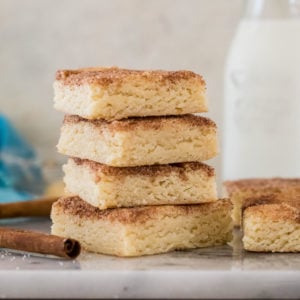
{"type": "Point", "coordinates": [261, 131]}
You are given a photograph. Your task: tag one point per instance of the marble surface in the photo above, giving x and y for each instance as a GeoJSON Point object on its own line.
{"type": "Point", "coordinates": [227, 272]}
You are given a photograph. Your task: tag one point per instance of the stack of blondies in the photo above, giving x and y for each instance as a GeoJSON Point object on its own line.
{"type": "Point", "coordinates": [135, 179]}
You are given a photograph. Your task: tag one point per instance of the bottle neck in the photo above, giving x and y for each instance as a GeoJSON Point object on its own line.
{"type": "Point", "coordinates": [272, 9]}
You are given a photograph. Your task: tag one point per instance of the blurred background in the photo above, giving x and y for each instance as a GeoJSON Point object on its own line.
{"type": "Point", "coordinates": [39, 37]}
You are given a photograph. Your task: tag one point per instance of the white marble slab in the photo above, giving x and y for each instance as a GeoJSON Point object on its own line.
{"type": "Point", "coordinates": [227, 272]}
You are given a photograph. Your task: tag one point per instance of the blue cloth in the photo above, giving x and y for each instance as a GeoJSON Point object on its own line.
{"type": "Point", "coordinates": [20, 173]}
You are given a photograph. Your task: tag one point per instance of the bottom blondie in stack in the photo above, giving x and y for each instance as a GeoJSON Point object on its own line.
{"type": "Point", "coordinates": [142, 230]}
{"type": "Point", "coordinates": [138, 184]}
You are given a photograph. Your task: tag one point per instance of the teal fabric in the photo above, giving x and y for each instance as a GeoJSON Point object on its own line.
{"type": "Point", "coordinates": [20, 172]}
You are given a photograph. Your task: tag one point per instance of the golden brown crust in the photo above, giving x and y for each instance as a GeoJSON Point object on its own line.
{"type": "Point", "coordinates": [275, 207]}
{"type": "Point", "coordinates": [73, 205]}
{"type": "Point", "coordinates": [155, 170]}
{"type": "Point", "coordinates": [114, 75]}
{"type": "Point", "coordinates": [261, 200]}
{"type": "Point", "coordinates": [155, 123]}
{"type": "Point", "coordinates": [272, 185]}
{"type": "Point", "coordinates": [275, 212]}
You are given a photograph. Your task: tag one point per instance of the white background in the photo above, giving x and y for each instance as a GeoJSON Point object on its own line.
{"type": "Point", "coordinates": [38, 37]}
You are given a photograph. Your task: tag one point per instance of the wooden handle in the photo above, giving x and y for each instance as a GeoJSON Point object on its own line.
{"type": "Point", "coordinates": [32, 208]}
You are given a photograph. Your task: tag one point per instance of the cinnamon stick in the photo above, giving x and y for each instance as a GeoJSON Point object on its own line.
{"type": "Point", "coordinates": [31, 241]}
{"type": "Point", "coordinates": [33, 208]}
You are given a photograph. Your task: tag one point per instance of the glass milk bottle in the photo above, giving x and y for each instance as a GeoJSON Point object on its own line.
{"type": "Point", "coordinates": [261, 130]}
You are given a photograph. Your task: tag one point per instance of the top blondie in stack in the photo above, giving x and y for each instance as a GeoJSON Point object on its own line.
{"type": "Point", "coordinates": [135, 170]}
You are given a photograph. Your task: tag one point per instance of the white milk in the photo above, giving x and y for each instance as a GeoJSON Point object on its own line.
{"type": "Point", "coordinates": [261, 133]}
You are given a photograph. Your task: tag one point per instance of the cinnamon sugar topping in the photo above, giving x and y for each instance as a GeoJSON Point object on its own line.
{"type": "Point", "coordinates": [114, 75]}
{"type": "Point", "coordinates": [155, 170]}
{"type": "Point", "coordinates": [145, 122]}
{"type": "Point", "coordinates": [274, 184]}
{"type": "Point", "coordinates": [75, 206]}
